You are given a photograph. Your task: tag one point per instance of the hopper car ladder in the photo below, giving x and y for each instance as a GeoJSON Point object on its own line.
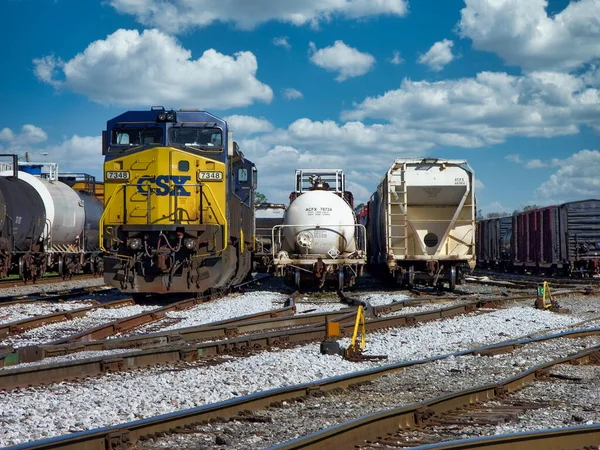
{"type": "Point", "coordinates": [397, 219]}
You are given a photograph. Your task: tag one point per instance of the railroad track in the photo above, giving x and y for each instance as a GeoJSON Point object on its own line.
{"type": "Point", "coordinates": [346, 435]}
{"type": "Point", "coordinates": [186, 345]}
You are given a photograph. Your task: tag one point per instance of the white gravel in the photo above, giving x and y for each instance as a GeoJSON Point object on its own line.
{"type": "Point", "coordinates": [60, 330]}
{"type": "Point", "coordinates": [21, 311]}
{"type": "Point", "coordinates": [40, 412]}
{"type": "Point", "coordinates": [28, 289]}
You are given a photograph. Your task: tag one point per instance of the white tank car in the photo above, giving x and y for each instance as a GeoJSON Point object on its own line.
{"type": "Point", "coordinates": [319, 223]}
{"type": "Point", "coordinates": [317, 241]}
{"type": "Point", "coordinates": [65, 213]}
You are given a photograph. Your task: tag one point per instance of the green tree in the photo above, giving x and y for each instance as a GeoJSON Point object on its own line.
{"type": "Point", "coordinates": [495, 214]}
{"type": "Point", "coordinates": [259, 198]}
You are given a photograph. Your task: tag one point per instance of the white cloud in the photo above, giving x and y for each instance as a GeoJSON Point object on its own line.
{"type": "Point", "coordinates": [347, 61]}
{"type": "Point", "coordinates": [438, 56]}
{"type": "Point", "coordinates": [292, 94]}
{"type": "Point", "coordinates": [396, 58]}
{"type": "Point", "coordinates": [247, 125]}
{"type": "Point", "coordinates": [513, 158]}
{"type": "Point", "coordinates": [180, 15]}
{"type": "Point", "coordinates": [488, 108]}
{"type": "Point", "coordinates": [74, 154]}
{"type": "Point", "coordinates": [479, 186]}
{"type": "Point", "coordinates": [576, 179]}
{"type": "Point", "coordinates": [522, 33]}
{"type": "Point", "coordinates": [132, 69]}
{"type": "Point", "coordinates": [535, 164]}
{"type": "Point", "coordinates": [282, 42]}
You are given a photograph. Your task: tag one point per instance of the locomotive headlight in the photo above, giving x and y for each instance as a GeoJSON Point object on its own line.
{"type": "Point", "coordinates": [190, 244]}
{"type": "Point", "coordinates": [134, 244]}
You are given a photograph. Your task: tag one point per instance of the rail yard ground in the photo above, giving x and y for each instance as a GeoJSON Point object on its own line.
{"type": "Point", "coordinates": [65, 407]}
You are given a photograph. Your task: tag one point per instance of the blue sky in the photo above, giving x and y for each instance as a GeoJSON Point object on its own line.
{"type": "Point", "coordinates": [511, 86]}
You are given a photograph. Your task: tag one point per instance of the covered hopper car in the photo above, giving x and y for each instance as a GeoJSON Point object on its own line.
{"type": "Point", "coordinates": [421, 222]}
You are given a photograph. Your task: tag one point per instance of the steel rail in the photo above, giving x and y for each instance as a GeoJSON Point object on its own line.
{"type": "Point", "coordinates": [178, 351]}
{"type": "Point", "coordinates": [125, 434]}
{"type": "Point", "coordinates": [373, 427]}
{"type": "Point", "coordinates": [87, 341]}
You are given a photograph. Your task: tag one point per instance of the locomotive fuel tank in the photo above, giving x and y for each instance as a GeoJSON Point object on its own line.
{"type": "Point", "coordinates": [318, 222]}
{"type": "Point", "coordinates": [23, 210]}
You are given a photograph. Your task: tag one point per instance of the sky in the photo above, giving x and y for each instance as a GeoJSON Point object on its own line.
{"type": "Point", "coordinates": [511, 86]}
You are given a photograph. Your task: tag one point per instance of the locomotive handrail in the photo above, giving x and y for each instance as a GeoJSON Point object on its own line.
{"type": "Point", "coordinates": [357, 226]}
{"type": "Point", "coordinates": [202, 187]}
{"type": "Point", "coordinates": [102, 218]}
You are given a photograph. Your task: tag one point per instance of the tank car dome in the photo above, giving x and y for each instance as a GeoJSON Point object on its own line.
{"type": "Point", "coordinates": [319, 222]}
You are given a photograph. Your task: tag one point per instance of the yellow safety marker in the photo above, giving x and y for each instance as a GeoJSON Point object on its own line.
{"type": "Point", "coordinates": [545, 300]}
{"type": "Point", "coordinates": [353, 349]}
{"type": "Point", "coordinates": [333, 329]}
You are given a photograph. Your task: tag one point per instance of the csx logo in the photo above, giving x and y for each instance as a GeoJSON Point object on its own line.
{"type": "Point", "coordinates": [145, 185]}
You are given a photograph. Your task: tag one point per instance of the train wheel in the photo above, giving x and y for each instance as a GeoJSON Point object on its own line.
{"type": "Point", "coordinates": [410, 277]}
{"type": "Point", "coordinates": [21, 268]}
{"type": "Point", "coordinates": [341, 280]}
{"type": "Point", "coordinates": [61, 266]}
{"type": "Point", "coordinates": [452, 280]}
{"type": "Point", "coordinates": [297, 279]}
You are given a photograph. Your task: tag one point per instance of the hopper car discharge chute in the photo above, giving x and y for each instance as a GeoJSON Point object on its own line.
{"type": "Point", "coordinates": [179, 203]}
{"type": "Point", "coordinates": [421, 225]}
{"type": "Point", "coordinates": [319, 238]}
{"type": "Point", "coordinates": [45, 225]}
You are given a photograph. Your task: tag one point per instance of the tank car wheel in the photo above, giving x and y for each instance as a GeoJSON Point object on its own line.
{"type": "Point", "coordinates": [452, 280]}
{"type": "Point", "coordinates": [61, 266]}
{"type": "Point", "coordinates": [341, 279]}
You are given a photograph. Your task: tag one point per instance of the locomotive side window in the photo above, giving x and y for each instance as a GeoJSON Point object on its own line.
{"type": "Point", "coordinates": [243, 175]}
{"type": "Point", "coordinates": [183, 166]}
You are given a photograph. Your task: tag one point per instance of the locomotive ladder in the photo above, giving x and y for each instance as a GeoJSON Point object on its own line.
{"type": "Point", "coordinates": [397, 220]}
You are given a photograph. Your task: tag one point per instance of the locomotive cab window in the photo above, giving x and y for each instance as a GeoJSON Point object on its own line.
{"type": "Point", "coordinates": [183, 166]}
{"type": "Point", "coordinates": [136, 136]}
{"type": "Point", "coordinates": [243, 175]}
{"type": "Point", "coordinates": [198, 137]}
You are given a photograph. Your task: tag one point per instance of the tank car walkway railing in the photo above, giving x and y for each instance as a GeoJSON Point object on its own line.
{"type": "Point", "coordinates": [359, 238]}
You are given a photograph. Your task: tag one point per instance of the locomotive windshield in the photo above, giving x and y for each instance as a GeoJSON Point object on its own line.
{"type": "Point", "coordinates": [136, 136]}
{"type": "Point", "coordinates": [198, 137]}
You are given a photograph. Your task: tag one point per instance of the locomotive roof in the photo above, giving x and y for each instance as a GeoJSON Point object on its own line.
{"type": "Point", "coordinates": [182, 115]}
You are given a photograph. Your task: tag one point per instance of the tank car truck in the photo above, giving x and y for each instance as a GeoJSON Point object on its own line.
{"type": "Point", "coordinates": [179, 203]}
{"type": "Point", "coordinates": [318, 240]}
{"type": "Point", "coordinates": [421, 226]}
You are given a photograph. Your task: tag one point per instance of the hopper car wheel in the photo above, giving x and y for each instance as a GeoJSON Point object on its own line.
{"type": "Point", "coordinates": [297, 279]}
{"type": "Point", "coordinates": [21, 268]}
{"type": "Point", "coordinates": [410, 280]}
{"type": "Point", "coordinates": [452, 279]}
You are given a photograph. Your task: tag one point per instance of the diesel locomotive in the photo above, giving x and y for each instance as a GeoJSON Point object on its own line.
{"type": "Point", "coordinates": [179, 203]}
